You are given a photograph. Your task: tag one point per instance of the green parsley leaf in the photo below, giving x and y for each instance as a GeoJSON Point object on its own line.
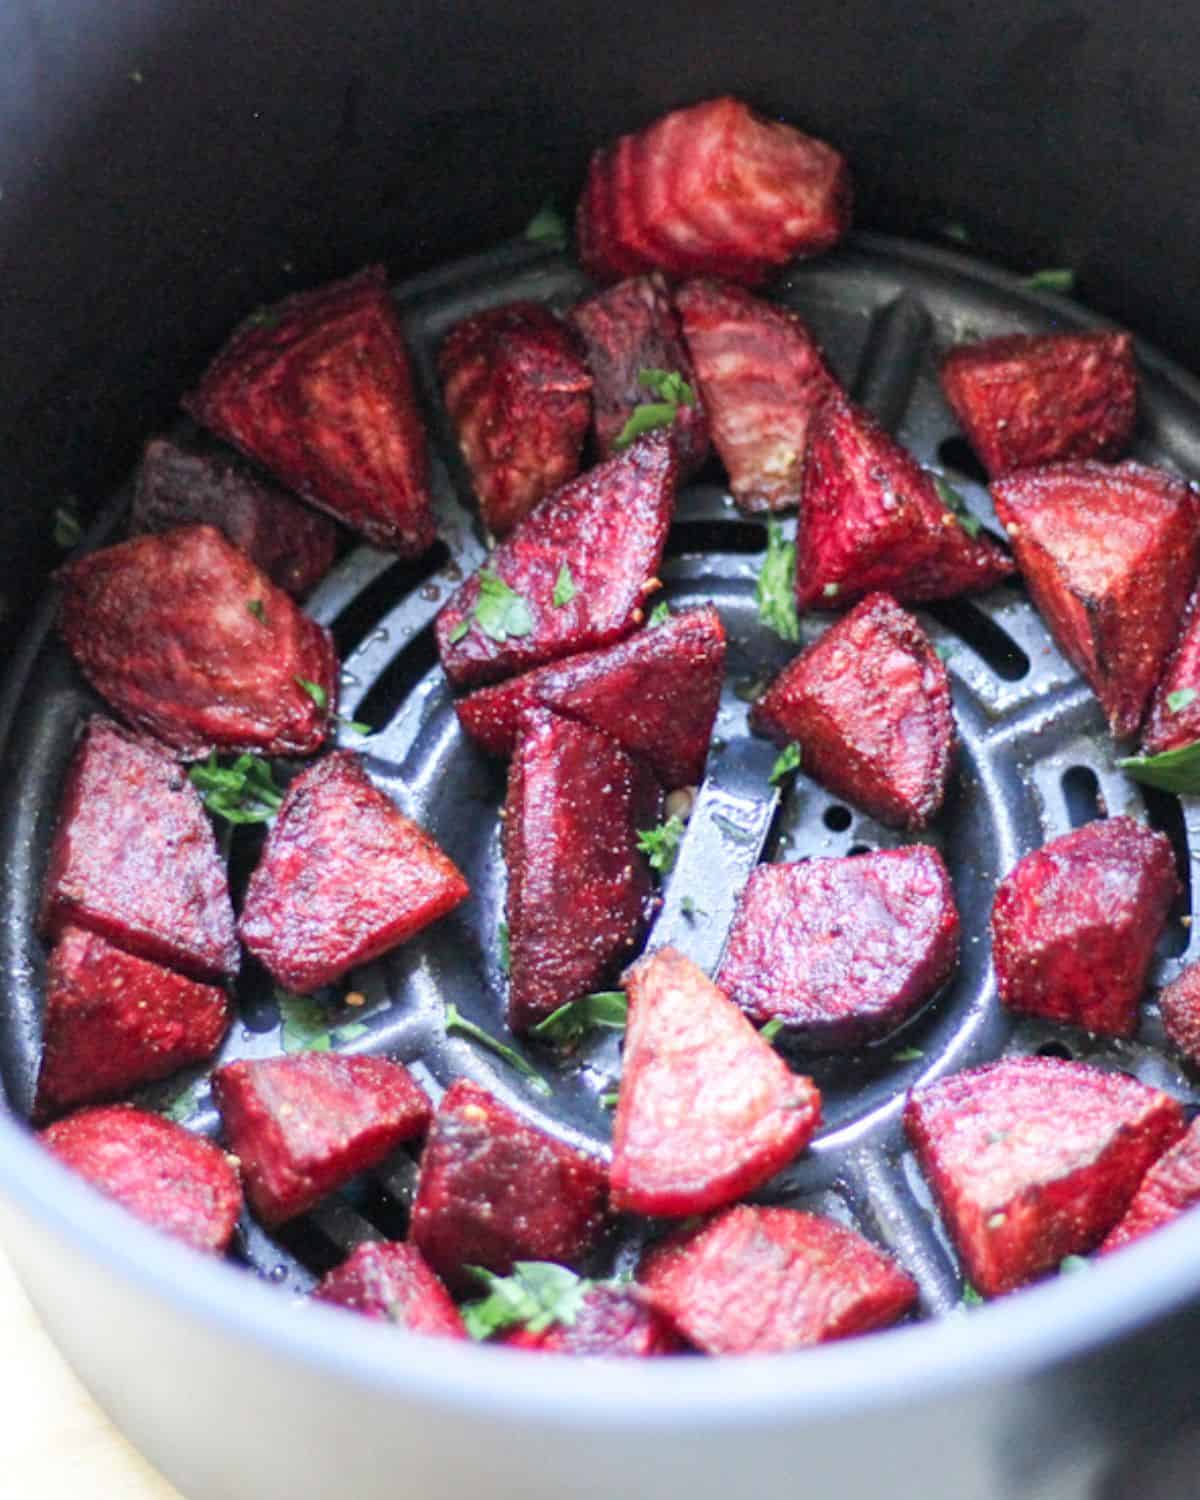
{"type": "Point", "coordinates": [67, 528]}
{"type": "Point", "coordinates": [1052, 279]}
{"type": "Point", "coordinates": [564, 587]}
{"type": "Point", "coordinates": [660, 614]}
{"type": "Point", "coordinates": [1173, 770]}
{"type": "Point", "coordinates": [606, 1009]}
{"type": "Point", "coordinates": [673, 392]}
{"type": "Point", "coordinates": [908, 1054]}
{"type": "Point", "coordinates": [457, 1024]}
{"type": "Point", "coordinates": [536, 1296]}
{"type": "Point", "coordinates": [1072, 1263]}
{"type": "Point", "coordinates": [459, 631]}
{"type": "Point", "coordinates": [243, 792]}
{"type": "Point", "coordinates": [184, 1104]}
{"type": "Point", "coordinates": [258, 609]}
{"type": "Point", "coordinates": [786, 762]}
{"type": "Point", "coordinates": [954, 502]}
{"type": "Point", "coordinates": [314, 690]}
{"type": "Point", "coordinates": [609, 1100]}
{"type": "Point", "coordinates": [356, 726]}
{"type": "Point", "coordinates": [547, 227]}
{"type": "Point", "coordinates": [775, 590]}
{"type": "Point", "coordinates": [771, 1030]}
{"type": "Point", "coordinates": [499, 611]}
{"type": "Point", "coordinates": [668, 385]}
{"type": "Point", "coordinates": [661, 844]}
{"type": "Point", "coordinates": [945, 652]}
{"type": "Point", "coordinates": [502, 947]}
{"type": "Point", "coordinates": [1180, 699]}
{"type": "Point", "coordinates": [305, 1023]}
{"type": "Point", "coordinates": [690, 910]}
{"type": "Point", "coordinates": [970, 1297]}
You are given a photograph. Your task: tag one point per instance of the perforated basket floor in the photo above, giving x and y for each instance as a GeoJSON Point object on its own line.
{"type": "Point", "coordinates": [1034, 760]}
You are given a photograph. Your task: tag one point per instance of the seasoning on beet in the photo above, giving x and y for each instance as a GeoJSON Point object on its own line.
{"type": "Point", "coordinates": [392, 1283]}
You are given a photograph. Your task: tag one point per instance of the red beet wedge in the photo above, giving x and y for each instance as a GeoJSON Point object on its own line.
{"type": "Point", "coordinates": [494, 1190]}
{"type": "Point", "coordinates": [1033, 1159]}
{"type": "Point", "coordinates": [392, 1283]}
{"type": "Point", "coordinates": [613, 1321]}
{"type": "Point", "coordinates": [1179, 1004]}
{"type": "Point", "coordinates": [171, 1179]}
{"type": "Point", "coordinates": [872, 518]}
{"type": "Point", "coordinates": [134, 858]}
{"type": "Point", "coordinates": [1171, 1186]}
{"type": "Point", "coordinates": [1110, 554]}
{"type": "Point", "coordinates": [319, 390]}
{"type": "Point", "coordinates": [188, 640]}
{"type": "Point", "coordinates": [1029, 399]}
{"type": "Point", "coordinates": [762, 376]}
{"type": "Point", "coordinates": [303, 1126]}
{"type": "Point", "coordinates": [344, 877]}
{"type": "Point", "coordinates": [707, 1109]}
{"type": "Point", "coordinates": [842, 950]}
{"type": "Point", "coordinates": [1174, 717]}
{"type": "Point", "coordinates": [766, 1280]}
{"type": "Point", "coordinates": [1075, 923]}
{"type": "Point", "coordinates": [869, 705]}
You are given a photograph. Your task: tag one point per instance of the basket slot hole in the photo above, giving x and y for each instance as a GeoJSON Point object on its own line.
{"type": "Point", "coordinates": [956, 453]}
{"type": "Point", "coordinates": [716, 536]}
{"type": "Point", "coordinates": [856, 849]}
{"type": "Point", "coordinates": [397, 680]}
{"type": "Point", "coordinates": [1056, 1049]}
{"type": "Point", "coordinates": [1081, 792]}
{"type": "Point", "coordinates": [987, 639]}
{"type": "Point", "coordinates": [403, 578]}
{"type": "Point", "coordinates": [1164, 813]}
{"type": "Point", "coordinates": [837, 819]}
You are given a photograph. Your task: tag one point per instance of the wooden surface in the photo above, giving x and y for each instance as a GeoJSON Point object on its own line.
{"type": "Point", "coordinates": [55, 1443]}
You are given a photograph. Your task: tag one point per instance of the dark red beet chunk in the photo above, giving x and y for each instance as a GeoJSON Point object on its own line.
{"type": "Point", "coordinates": [1179, 1004]}
{"type": "Point", "coordinates": [1027, 399]}
{"type": "Point", "coordinates": [173, 1180]}
{"type": "Point", "coordinates": [578, 890]}
{"type": "Point", "coordinates": [1174, 717]}
{"type": "Point", "coordinates": [762, 377]}
{"type": "Point", "coordinates": [707, 1109]}
{"type": "Point", "coordinates": [344, 876]}
{"type": "Point", "coordinates": [1075, 923]}
{"type": "Point", "coordinates": [608, 529]}
{"type": "Point", "coordinates": [134, 857]}
{"type": "Point", "coordinates": [393, 1283]}
{"type": "Point", "coordinates": [1110, 555]}
{"type": "Point", "coordinates": [494, 1190]}
{"type": "Point", "coordinates": [871, 518]}
{"type": "Point", "coordinates": [713, 189]}
{"type": "Point", "coordinates": [618, 1322]}
{"type": "Point", "coordinates": [320, 392]}
{"type": "Point", "coordinates": [766, 1280]}
{"type": "Point", "coordinates": [1033, 1159]}
{"type": "Point", "coordinates": [114, 1021]}
{"type": "Point", "coordinates": [632, 327]}
{"type": "Point", "coordinates": [1170, 1186]}
{"type": "Point", "coordinates": [303, 1126]}
{"type": "Point", "coordinates": [519, 395]}
{"type": "Point", "coordinates": [869, 705]}
{"type": "Point", "coordinates": [656, 694]}
{"type": "Point", "coordinates": [842, 950]}
{"type": "Point", "coordinates": [187, 639]}
{"type": "Point", "coordinates": [292, 544]}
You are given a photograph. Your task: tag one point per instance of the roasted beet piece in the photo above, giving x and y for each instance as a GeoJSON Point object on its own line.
{"type": "Point", "coordinates": [632, 327]}
{"type": "Point", "coordinates": [1074, 924]}
{"type": "Point", "coordinates": [187, 639]}
{"type": "Point", "coordinates": [616, 1321]}
{"type": "Point", "coordinates": [766, 1280]}
{"type": "Point", "coordinates": [176, 1181]}
{"type": "Point", "coordinates": [1170, 1186]}
{"type": "Point", "coordinates": [1110, 556]}
{"type": "Point", "coordinates": [393, 1283]}
{"type": "Point", "coordinates": [842, 950]}
{"type": "Point", "coordinates": [607, 529]}
{"type": "Point", "coordinates": [1179, 1004]}
{"type": "Point", "coordinates": [1174, 717]}
{"type": "Point", "coordinates": [344, 876]}
{"type": "Point", "coordinates": [134, 857]}
{"type": "Point", "coordinates": [762, 377]}
{"type": "Point", "coordinates": [114, 1021]}
{"type": "Point", "coordinates": [519, 394]}
{"type": "Point", "coordinates": [707, 1109]}
{"type": "Point", "coordinates": [1027, 399]}
{"type": "Point", "coordinates": [656, 694]}
{"type": "Point", "coordinates": [578, 890]}
{"type": "Point", "coordinates": [1033, 1159]}
{"type": "Point", "coordinates": [869, 705]}
{"type": "Point", "coordinates": [494, 1190]}
{"type": "Point", "coordinates": [292, 544]}
{"type": "Point", "coordinates": [319, 390]}
{"type": "Point", "coordinates": [304, 1125]}
{"type": "Point", "coordinates": [871, 518]}
{"type": "Point", "coordinates": [713, 189]}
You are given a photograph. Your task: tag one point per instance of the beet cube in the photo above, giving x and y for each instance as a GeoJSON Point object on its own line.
{"type": "Point", "coordinates": [762, 377]}
{"type": "Point", "coordinates": [114, 1021]}
{"type": "Point", "coordinates": [842, 950]}
{"type": "Point", "coordinates": [603, 534]}
{"type": "Point", "coordinates": [869, 705]}
{"type": "Point", "coordinates": [519, 395]}
{"type": "Point", "coordinates": [613, 1321]}
{"type": "Point", "coordinates": [1110, 554]}
{"type": "Point", "coordinates": [319, 390]}
{"type": "Point", "coordinates": [1179, 1005]}
{"type": "Point", "coordinates": [656, 694]}
{"type": "Point", "coordinates": [173, 1180]}
{"type": "Point", "coordinates": [292, 544]}
{"type": "Point", "coordinates": [494, 1190]}
{"type": "Point", "coordinates": [871, 518]}
{"type": "Point", "coordinates": [304, 1125]}
{"type": "Point", "coordinates": [344, 876]}
{"type": "Point", "coordinates": [1170, 1186]}
{"type": "Point", "coordinates": [766, 1280]}
{"type": "Point", "coordinates": [1028, 399]}
{"type": "Point", "coordinates": [707, 1110]}
{"type": "Point", "coordinates": [134, 858]}
{"type": "Point", "coordinates": [1074, 924]}
{"type": "Point", "coordinates": [1173, 719]}
{"type": "Point", "coordinates": [392, 1282]}
{"type": "Point", "coordinates": [1033, 1159]}
{"type": "Point", "coordinates": [188, 640]}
